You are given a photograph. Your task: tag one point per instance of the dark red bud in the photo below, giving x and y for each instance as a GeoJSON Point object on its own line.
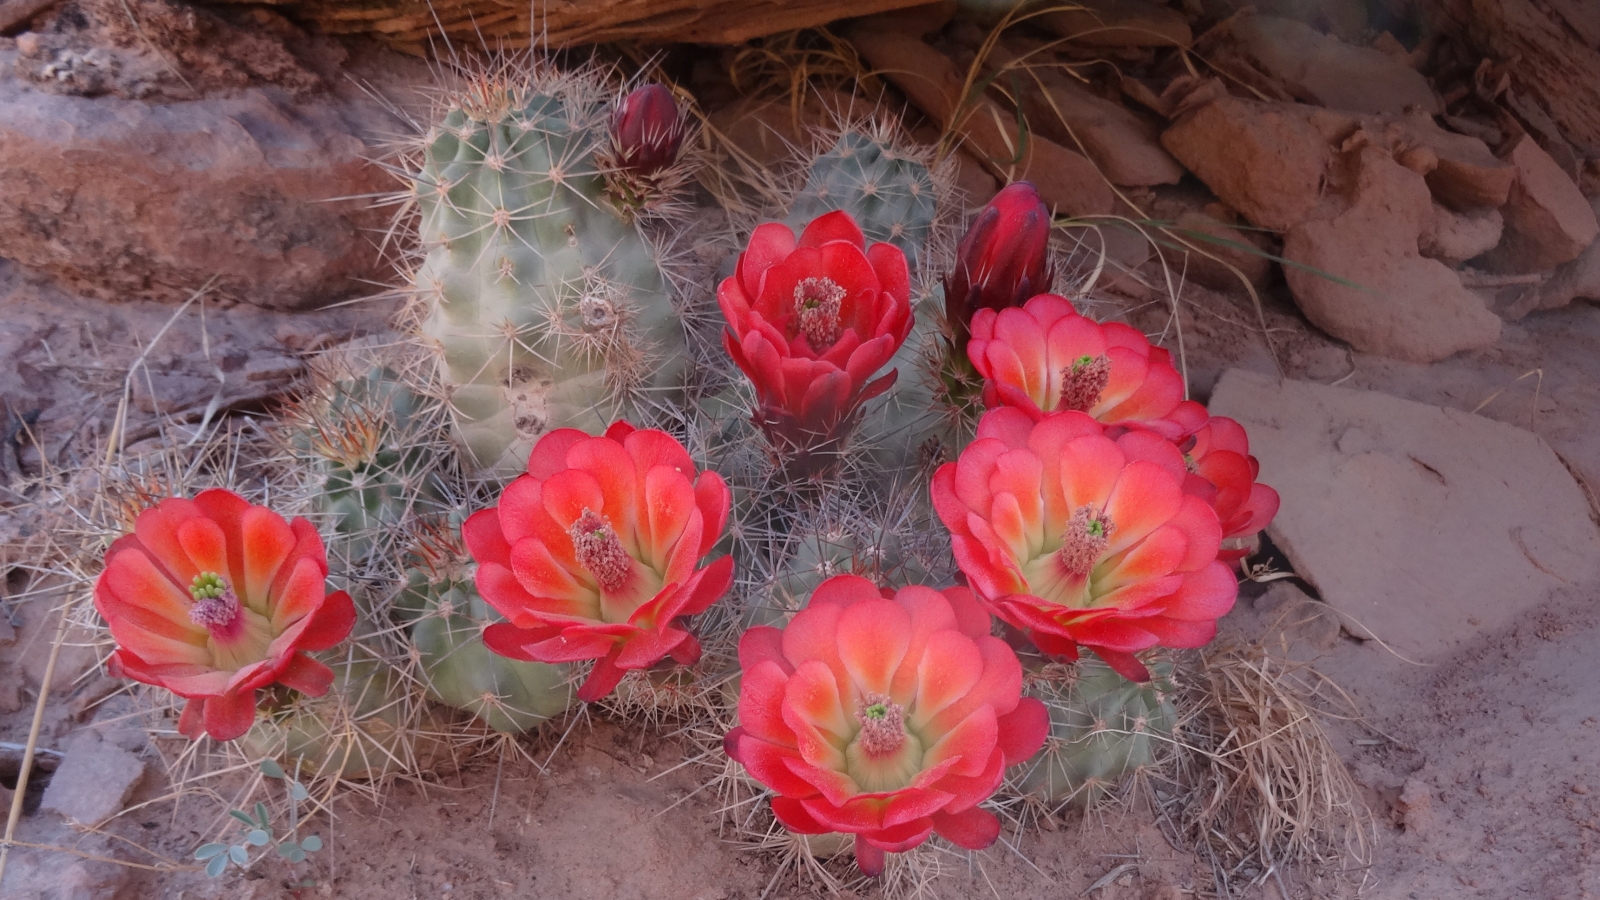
{"type": "Point", "coordinates": [647, 130]}
{"type": "Point", "coordinates": [1002, 261]}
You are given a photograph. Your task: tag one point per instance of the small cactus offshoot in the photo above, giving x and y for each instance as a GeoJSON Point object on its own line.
{"type": "Point", "coordinates": [1103, 728]}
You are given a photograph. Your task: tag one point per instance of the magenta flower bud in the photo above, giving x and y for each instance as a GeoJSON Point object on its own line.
{"type": "Point", "coordinates": [646, 130]}
{"type": "Point", "coordinates": [1002, 261]}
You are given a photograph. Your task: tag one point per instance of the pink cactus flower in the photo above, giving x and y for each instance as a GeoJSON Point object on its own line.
{"type": "Point", "coordinates": [215, 599]}
{"type": "Point", "coordinates": [1225, 474]}
{"type": "Point", "coordinates": [1075, 538]}
{"type": "Point", "coordinates": [1044, 357]}
{"type": "Point", "coordinates": [595, 553]}
{"type": "Point", "coordinates": [889, 717]}
{"type": "Point", "coordinates": [810, 322]}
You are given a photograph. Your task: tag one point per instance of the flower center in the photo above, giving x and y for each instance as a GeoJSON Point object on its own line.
{"type": "Point", "coordinates": [216, 606]}
{"type": "Point", "coordinates": [883, 726]}
{"type": "Point", "coordinates": [600, 551]}
{"type": "Point", "coordinates": [817, 302]}
{"type": "Point", "coordinates": [1087, 537]}
{"type": "Point", "coordinates": [1083, 382]}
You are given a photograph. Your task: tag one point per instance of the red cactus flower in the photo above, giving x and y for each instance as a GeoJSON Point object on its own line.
{"type": "Point", "coordinates": [1225, 474]}
{"type": "Point", "coordinates": [886, 717]}
{"type": "Point", "coordinates": [1002, 260]}
{"type": "Point", "coordinates": [213, 599]}
{"type": "Point", "coordinates": [809, 323]}
{"type": "Point", "coordinates": [646, 130]}
{"type": "Point", "coordinates": [594, 553]}
{"type": "Point", "coordinates": [1075, 538]}
{"type": "Point", "coordinates": [1044, 357]}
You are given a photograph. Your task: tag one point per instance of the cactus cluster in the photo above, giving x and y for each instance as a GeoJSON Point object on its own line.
{"type": "Point", "coordinates": [548, 301]}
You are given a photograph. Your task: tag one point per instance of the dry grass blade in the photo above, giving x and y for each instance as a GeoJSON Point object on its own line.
{"type": "Point", "coordinates": [1263, 788]}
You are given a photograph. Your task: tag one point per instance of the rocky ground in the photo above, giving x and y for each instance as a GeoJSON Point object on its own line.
{"type": "Point", "coordinates": [1369, 238]}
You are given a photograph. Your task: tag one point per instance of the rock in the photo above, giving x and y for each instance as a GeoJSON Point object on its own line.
{"type": "Point", "coordinates": [1415, 806]}
{"type": "Point", "coordinates": [1466, 175]}
{"type": "Point", "coordinates": [1266, 160]}
{"type": "Point", "coordinates": [45, 873]}
{"type": "Point", "coordinates": [1556, 46]}
{"type": "Point", "coordinates": [1548, 221]}
{"type": "Point", "coordinates": [1118, 23]}
{"type": "Point", "coordinates": [767, 130]}
{"type": "Point", "coordinates": [1223, 247]}
{"type": "Point", "coordinates": [125, 198]}
{"type": "Point", "coordinates": [1318, 69]}
{"type": "Point", "coordinates": [976, 184]}
{"type": "Point", "coordinates": [1389, 299]}
{"type": "Point", "coordinates": [1576, 280]}
{"type": "Point", "coordinates": [1066, 181]}
{"type": "Point", "coordinates": [1125, 147]}
{"type": "Point", "coordinates": [1453, 238]}
{"type": "Point", "coordinates": [94, 780]}
{"type": "Point", "coordinates": [1422, 526]}
{"type": "Point", "coordinates": [917, 21]}
{"type": "Point", "coordinates": [1302, 620]}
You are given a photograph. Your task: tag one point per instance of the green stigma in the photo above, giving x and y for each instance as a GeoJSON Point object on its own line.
{"type": "Point", "coordinates": [1083, 362]}
{"type": "Point", "coordinates": [876, 711]}
{"type": "Point", "coordinates": [207, 586]}
{"type": "Point", "coordinates": [1097, 528]}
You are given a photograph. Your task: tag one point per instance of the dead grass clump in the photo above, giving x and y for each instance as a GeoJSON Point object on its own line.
{"type": "Point", "coordinates": [1262, 788]}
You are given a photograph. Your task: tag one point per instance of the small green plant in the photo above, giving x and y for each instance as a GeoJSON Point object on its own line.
{"type": "Point", "coordinates": [259, 831]}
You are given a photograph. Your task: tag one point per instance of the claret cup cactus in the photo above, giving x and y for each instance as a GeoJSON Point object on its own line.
{"type": "Point", "coordinates": [546, 280]}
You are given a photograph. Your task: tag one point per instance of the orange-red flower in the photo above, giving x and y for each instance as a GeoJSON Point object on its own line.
{"type": "Point", "coordinates": [595, 553]}
{"type": "Point", "coordinates": [213, 599]}
{"type": "Point", "coordinates": [1075, 538]}
{"type": "Point", "coordinates": [1044, 357]}
{"type": "Point", "coordinates": [1219, 455]}
{"type": "Point", "coordinates": [1002, 260]}
{"type": "Point", "coordinates": [886, 717]}
{"type": "Point", "coordinates": [810, 322]}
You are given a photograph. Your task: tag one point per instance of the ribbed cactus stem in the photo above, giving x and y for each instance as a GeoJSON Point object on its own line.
{"type": "Point", "coordinates": [551, 307]}
{"type": "Point", "coordinates": [1103, 728]}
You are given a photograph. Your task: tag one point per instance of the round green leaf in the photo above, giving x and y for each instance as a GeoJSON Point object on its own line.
{"type": "Point", "coordinates": [298, 791]}
{"type": "Point", "coordinates": [239, 855]}
{"type": "Point", "coordinates": [258, 838]}
{"type": "Point", "coordinates": [311, 844]}
{"type": "Point", "coordinates": [271, 769]}
{"type": "Point", "coordinates": [216, 865]}
{"type": "Point", "coordinates": [207, 851]}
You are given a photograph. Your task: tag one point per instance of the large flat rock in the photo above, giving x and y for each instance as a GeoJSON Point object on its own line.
{"type": "Point", "coordinates": [1423, 526]}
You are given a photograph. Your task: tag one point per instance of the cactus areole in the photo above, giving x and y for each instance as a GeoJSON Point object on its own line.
{"type": "Point", "coordinates": [887, 718]}
{"type": "Point", "coordinates": [595, 553]}
{"type": "Point", "coordinates": [215, 599]}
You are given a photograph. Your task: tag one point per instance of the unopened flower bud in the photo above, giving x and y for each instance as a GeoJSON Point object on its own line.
{"type": "Point", "coordinates": [1002, 261]}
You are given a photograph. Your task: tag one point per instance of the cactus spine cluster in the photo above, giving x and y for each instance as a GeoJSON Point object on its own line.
{"type": "Point", "coordinates": [549, 300]}
{"type": "Point", "coordinates": [1103, 727]}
